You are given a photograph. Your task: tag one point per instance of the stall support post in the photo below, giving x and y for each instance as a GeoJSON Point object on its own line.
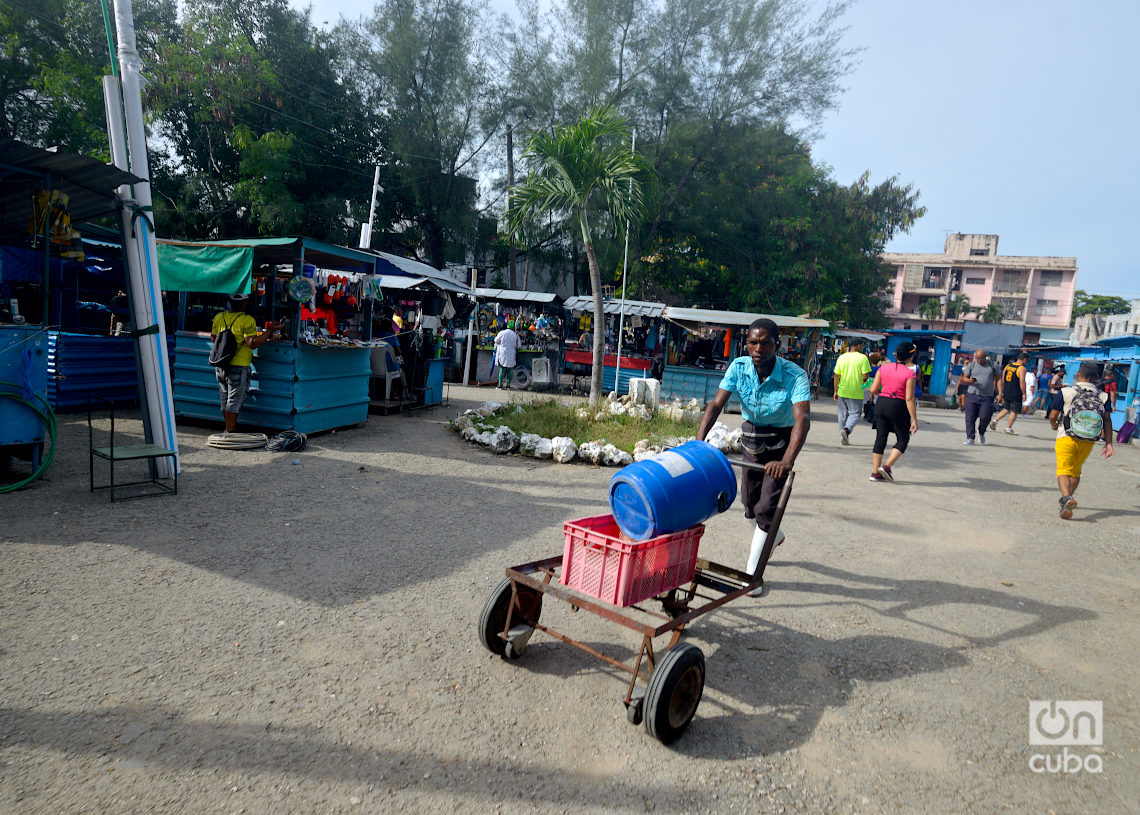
{"type": "Point", "coordinates": [470, 328]}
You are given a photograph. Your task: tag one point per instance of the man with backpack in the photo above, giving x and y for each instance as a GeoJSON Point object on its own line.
{"type": "Point", "coordinates": [234, 335]}
{"type": "Point", "coordinates": [1080, 416]}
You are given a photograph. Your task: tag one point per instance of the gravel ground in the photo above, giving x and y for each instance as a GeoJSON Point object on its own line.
{"type": "Point", "coordinates": [301, 638]}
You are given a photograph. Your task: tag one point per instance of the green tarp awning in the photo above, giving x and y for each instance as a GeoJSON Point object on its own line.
{"type": "Point", "coordinates": [221, 269]}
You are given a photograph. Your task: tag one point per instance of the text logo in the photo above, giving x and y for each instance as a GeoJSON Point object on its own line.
{"type": "Point", "coordinates": [1066, 722]}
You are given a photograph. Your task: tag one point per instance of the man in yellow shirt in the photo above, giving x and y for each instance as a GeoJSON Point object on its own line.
{"type": "Point", "coordinates": [851, 371]}
{"type": "Point", "coordinates": [233, 379]}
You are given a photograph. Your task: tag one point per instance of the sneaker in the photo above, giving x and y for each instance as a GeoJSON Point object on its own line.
{"type": "Point", "coordinates": [876, 477]}
{"type": "Point", "coordinates": [968, 441]}
{"type": "Point", "coordinates": [1009, 431]}
{"type": "Point", "coordinates": [982, 439]}
{"type": "Point", "coordinates": [843, 434]}
{"type": "Point", "coordinates": [1067, 503]}
{"type": "Point", "coordinates": [886, 473]}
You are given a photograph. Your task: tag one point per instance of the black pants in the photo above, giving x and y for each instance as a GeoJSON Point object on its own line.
{"type": "Point", "coordinates": [759, 492]}
{"type": "Point", "coordinates": [979, 409]}
{"type": "Point", "coordinates": [891, 416]}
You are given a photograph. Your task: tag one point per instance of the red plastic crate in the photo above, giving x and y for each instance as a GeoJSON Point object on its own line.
{"type": "Point", "coordinates": [599, 561]}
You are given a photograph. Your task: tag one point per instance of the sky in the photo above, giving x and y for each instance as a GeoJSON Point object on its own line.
{"type": "Point", "coordinates": [1018, 118]}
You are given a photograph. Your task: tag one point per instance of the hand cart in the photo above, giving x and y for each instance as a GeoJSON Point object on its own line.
{"type": "Point", "coordinates": [674, 678]}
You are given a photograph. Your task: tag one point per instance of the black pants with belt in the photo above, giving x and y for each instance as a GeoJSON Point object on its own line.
{"type": "Point", "coordinates": [759, 492]}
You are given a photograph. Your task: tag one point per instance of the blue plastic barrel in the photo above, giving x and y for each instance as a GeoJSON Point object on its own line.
{"type": "Point", "coordinates": [672, 491]}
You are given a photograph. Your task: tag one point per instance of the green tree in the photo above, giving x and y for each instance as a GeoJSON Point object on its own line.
{"type": "Point", "coordinates": [582, 172]}
{"type": "Point", "coordinates": [259, 135]}
{"type": "Point", "coordinates": [958, 307]}
{"type": "Point", "coordinates": [1085, 303]}
{"type": "Point", "coordinates": [424, 67]}
{"type": "Point", "coordinates": [930, 309]}
{"type": "Point", "coordinates": [53, 57]}
{"type": "Point", "coordinates": [993, 313]}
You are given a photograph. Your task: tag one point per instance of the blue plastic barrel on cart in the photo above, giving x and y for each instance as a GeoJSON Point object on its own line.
{"type": "Point", "coordinates": [672, 491]}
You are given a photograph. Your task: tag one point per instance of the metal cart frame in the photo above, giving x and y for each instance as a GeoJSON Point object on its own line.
{"type": "Point", "coordinates": [673, 676]}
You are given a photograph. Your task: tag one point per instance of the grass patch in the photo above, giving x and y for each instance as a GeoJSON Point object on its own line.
{"type": "Point", "coordinates": [548, 418]}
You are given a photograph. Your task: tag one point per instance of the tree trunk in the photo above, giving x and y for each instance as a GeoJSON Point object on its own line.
{"type": "Point", "coordinates": [599, 324]}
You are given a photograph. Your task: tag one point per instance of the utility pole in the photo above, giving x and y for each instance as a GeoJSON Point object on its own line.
{"type": "Point", "coordinates": [510, 183]}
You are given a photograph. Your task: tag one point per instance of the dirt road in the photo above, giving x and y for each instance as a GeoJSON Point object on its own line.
{"type": "Point", "coordinates": [301, 637]}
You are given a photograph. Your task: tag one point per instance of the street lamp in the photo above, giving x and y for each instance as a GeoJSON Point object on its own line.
{"type": "Point", "coordinates": [528, 112]}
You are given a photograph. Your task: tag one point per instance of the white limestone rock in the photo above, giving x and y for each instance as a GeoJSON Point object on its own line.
{"type": "Point", "coordinates": [591, 451]}
{"type": "Point", "coordinates": [462, 422]}
{"type": "Point", "coordinates": [528, 443]}
{"type": "Point", "coordinates": [563, 449]}
{"type": "Point", "coordinates": [735, 441]}
{"type": "Point", "coordinates": [503, 440]}
{"type": "Point", "coordinates": [617, 408]}
{"type": "Point", "coordinates": [644, 454]}
{"type": "Point", "coordinates": [652, 394]}
{"type": "Point", "coordinates": [613, 457]}
{"type": "Point", "coordinates": [490, 406]}
{"type": "Point", "coordinates": [584, 414]}
{"type": "Point", "coordinates": [602, 415]}
{"type": "Point", "coordinates": [469, 433]}
{"type": "Point", "coordinates": [544, 449]}
{"type": "Point", "coordinates": [718, 437]}
{"type": "Point", "coordinates": [673, 412]}
{"type": "Point", "coordinates": [640, 412]}
{"type": "Point", "coordinates": [693, 404]}
{"type": "Point", "coordinates": [483, 438]}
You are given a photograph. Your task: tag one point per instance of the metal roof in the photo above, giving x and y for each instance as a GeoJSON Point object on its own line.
{"type": "Point", "coordinates": [396, 281]}
{"type": "Point", "coordinates": [395, 265]}
{"type": "Point", "coordinates": [516, 295]}
{"type": "Point", "coordinates": [692, 317]}
{"type": "Point", "coordinates": [870, 336]}
{"type": "Point", "coordinates": [89, 184]}
{"type": "Point", "coordinates": [640, 308]}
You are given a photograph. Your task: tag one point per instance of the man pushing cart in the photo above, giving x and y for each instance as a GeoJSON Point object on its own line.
{"type": "Point", "coordinates": [775, 401]}
{"type": "Point", "coordinates": [647, 550]}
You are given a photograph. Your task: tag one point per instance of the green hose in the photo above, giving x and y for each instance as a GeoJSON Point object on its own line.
{"type": "Point", "coordinates": [47, 416]}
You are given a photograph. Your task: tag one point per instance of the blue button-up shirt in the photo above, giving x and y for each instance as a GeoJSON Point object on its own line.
{"type": "Point", "coordinates": [768, 403]}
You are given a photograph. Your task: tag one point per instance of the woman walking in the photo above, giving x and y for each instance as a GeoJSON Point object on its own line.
{"type": "Point", "coordinates": [896, 410]}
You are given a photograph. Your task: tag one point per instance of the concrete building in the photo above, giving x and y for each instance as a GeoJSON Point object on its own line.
{"type": "Point", "coordinates": [1089, 329]}
{"type": "Point", "coordinates": [1035, 292]}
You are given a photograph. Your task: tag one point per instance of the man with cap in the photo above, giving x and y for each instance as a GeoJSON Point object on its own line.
{"type": "Point", "coordinates": [775, 400]}
{"type": "Point", "coordinates": [233, 380]}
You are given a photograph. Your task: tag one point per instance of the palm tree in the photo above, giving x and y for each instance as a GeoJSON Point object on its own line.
{"type": "Point", "coordinates": [959, 307]}
{"type": "Point", "coordinates": [930, 309]}
{"type": "Point", "coordinates": [993, 313]}
{"type": "Point", "coordinates": [578, 171]}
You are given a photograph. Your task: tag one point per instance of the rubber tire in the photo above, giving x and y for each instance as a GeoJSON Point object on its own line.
{"type": "Point", "coordinates": [494, 614]}
{"type": "Point", "coordinates": [522, 378]}
{"type": "Point", "coordinates": [674, 692]}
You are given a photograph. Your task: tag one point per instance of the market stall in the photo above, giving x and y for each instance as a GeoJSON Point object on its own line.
{"type": "Point", "coordinates": [315, 374]}
{"type": "Point", "coordinates": [43, 195]}
{"type": "Point", "coordinates": [537, 320]}
{"type": "Point", "coordinates": [701, 342]}
{"type": "Point", "coordinates": [642, 347]}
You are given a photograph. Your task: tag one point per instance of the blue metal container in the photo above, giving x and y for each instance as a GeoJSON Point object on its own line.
{"type": "Point", "coordinates": [672, 491]}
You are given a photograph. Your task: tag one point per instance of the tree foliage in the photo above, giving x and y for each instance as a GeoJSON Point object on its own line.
{"type": "Point", "coordinates": [993, 313]}
{"type": "Point", "coordinates": [1085, 303]}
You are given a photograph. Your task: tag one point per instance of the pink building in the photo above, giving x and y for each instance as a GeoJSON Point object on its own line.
{"type": "Point", "coordinates": [1036, 292]}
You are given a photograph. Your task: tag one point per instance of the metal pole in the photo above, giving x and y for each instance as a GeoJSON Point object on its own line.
{"type": "Point", "coordinates": [624, 264]}
{"type": "Point", "coordinates": [366, 229]}
{"type": "Point", "coordinates": [511, 260]}
{"type": "Point", "coordinates": [470, 327]}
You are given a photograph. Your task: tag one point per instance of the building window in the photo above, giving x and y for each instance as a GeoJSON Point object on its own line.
{"type": "Point", "coordinates": [1045, 308]}
{"type": "Point", "coordinates": [975, 281]}
{"type": "Point", "coordinates": [1050, 278]}
{"type": "Point", "coordinates": [979, 253]}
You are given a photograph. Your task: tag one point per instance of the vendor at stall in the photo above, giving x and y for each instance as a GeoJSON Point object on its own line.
{"type": "Point", "coordinates": [775, 402]}
{"type": "Point", "coordinates": [233, 379]}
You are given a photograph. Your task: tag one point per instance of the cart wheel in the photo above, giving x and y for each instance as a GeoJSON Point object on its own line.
{"type": "Point", "coordinates": [494, 616]}
{"type": "Point", "coordinates": [674, 691]}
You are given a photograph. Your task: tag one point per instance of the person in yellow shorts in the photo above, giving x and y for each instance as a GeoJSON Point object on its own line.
{"type": "Point", "coordinates": [1080, 416]}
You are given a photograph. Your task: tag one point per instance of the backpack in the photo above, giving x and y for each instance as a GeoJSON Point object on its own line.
{"type": "Point", "coordinates": [225, 346]}
{"type": "Point", "coordinates": [1084, 415]}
